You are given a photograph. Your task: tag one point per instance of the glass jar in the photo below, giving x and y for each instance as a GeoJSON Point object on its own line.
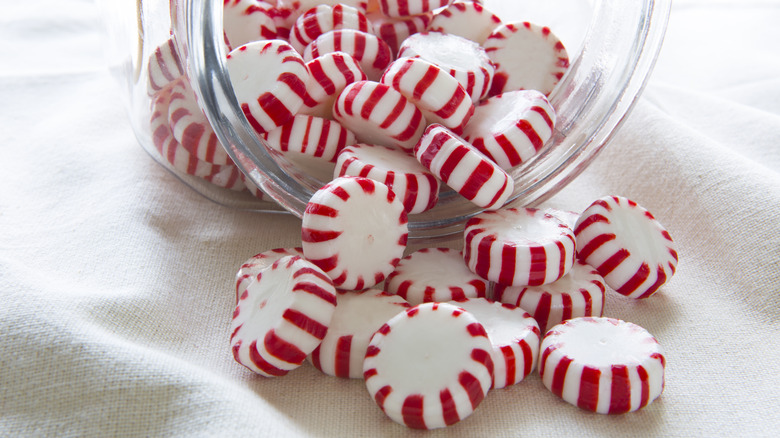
{"type": "Point", "coordinates": [612, 47]}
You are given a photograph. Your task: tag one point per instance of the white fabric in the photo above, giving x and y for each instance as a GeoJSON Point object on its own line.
{"type": "Point", "coordinates": [116, 281]}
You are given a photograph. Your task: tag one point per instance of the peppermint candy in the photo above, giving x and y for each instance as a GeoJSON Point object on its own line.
{"type": "Point", "coordinates": [602, 365]}
{"type": "Point", "coordinates": [394, 30]}
{"type": "Point", "coordinates": [312, 136]}
{"type": "Point", "coordinates": [191, 128]}
{"type": "Point", "coordinates": [358, 316]}
{"type": "Point", "coordinates": [282, 317]}
{"type": "Point", "coordinates": [518, 247]}
{"type": "Point", "coordinates": [462, 167]}
{"type": "Point", "coordinates": [325, 18]}
{"type": "Point", "coordinates": [627, 245]}
{"type": "Point", "coordinates": [466, 19]}
{"type": "Point", "coordinates": [330, 74]}
{"type": "Point", "coordinates": [247, 273]}
{"type": "Point", "coordinates": [581, 292]}
{"type": "Point", "coordinates": [335, 224]}
{"type": "Point", "coordinates": [434, 275]}
{"type": "Point", "coordinates": [370, 52]}
{"type": "Point", "coordinates": [245, 21]}
{"type": "Point", "coordinates": [430, 366]}
{"type": "Point", "coordinates": [164, 67]}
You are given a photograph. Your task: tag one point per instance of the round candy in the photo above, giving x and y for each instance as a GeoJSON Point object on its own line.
{"type": "Point", "coordinates": [512, 127]}
{"type": "Point", "coordinates": [578, 293]}
{"type": "Point", "coordinates": [191, 128]}
{"type": "Point", "coordinates": [282, 317]}
{"type": "Point", "coordinates": [358, 315]}
{"type": "Point", "coordinates": [527, 57]}
{"type": "Point", "coordinates": [417, 188]}
{"type": "Point", "coordinates": [270, 80]}
{"type": "Point", "coordinates": [245, 21]}
{"type": "Point", "coordinates": [434, 275]}
{"type": "Point", "coordinates": [464, 60]}
{"type": "Point", "coordinates": [355, 229]}
{"type": "Point", "coordinates": [627, 245]}
{"type": "Point", "coordinates": [462, 167]}
{"type": "Point", "coordinates": [602, 365]}
{"type": "Point", "coordinates": [514, 335]}
{"type": "Point", "coordinates": [330, 74]}
{"type": "Point", "coordinates": [440, 97]}
{"type": "Point", "coordinates": [164, 66]}
{"type": "Point", "coordinates": [379, 114]}
{"type": "Point", "coordinates": [369, 51]}
{"type": "Point", "coordinates": [518, 247]}
{"type": "Point", "coordinates": [394, 30]}
{"type": "Point", "coordinates": [325, 18]}
{"type": "Point", "coordinates": [405, 8]}
{"type": "Point", "coordinates": [466, 19]}
{"type": "Point", "coordinates": [247, 273]}
{"type": "Point", "coordinates": [430, 366]}
{"type": "Point", "coordinates": [312, 136]}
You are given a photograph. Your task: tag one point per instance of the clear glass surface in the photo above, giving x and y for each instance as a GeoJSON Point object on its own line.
{"type": "Point", "coordinates": [612, 47]}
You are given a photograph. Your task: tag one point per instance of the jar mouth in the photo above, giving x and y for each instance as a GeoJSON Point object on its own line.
{"type": "Point", "coordinates": [604, 81]}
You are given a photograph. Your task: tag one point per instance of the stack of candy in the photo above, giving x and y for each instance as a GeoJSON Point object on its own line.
{"type": "Point", "coordinates": [451, 93]}
{"type": "Point", "coordinates": [433, 331]}
{"type": "Point", "coordinates": [394, 98]}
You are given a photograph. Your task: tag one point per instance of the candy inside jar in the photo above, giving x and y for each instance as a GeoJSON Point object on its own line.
{"type": "Point", "coordinates": [591, 88]}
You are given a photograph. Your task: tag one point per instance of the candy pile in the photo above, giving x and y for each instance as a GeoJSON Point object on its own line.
{"type": "Point", "coordinates": [410, 93]}
{"type": "Point", "coordinates": [433, 331]}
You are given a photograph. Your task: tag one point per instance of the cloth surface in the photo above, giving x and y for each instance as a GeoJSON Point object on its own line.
{"type": "Point", "coordinates": [116, 281]}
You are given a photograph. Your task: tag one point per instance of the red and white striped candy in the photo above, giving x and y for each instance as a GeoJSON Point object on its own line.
{"type": "Point", "coordinates": [465, 60]}
{"type": "Point", "coordinates": [466, 170]}
{"type": "Point", "coordinates": [270, 80]}
{"type": "Point", "coordinates": [417, 188]}
{"type": "Point", "coordinates": [440, 97]}
{"type": "Point", "coordinates": [325, 18]}
{"type": "Point", "coordinates": [355, 229]}
{"type": "Point", "coordinates": [434, 275]}
{"type": "Point", "coordinates": [301, 6]}
{"type": "Point", "coordinates": [567, 216]}
{"type": "Point", "coordinates": [227, 176]}
{"type": "Point", "coordinates": [627, 245]}
{"type": "Point", "coordinates": [514, 335]}
{"type": "Point", "coordinates": [379, 114]}
{"type": "Point", "coordinates": [284, 18]}
{"type": "Point", "coordinates": [164, 67]}
{"type": "Point", "coordinates": [312, 136]}
{"type": "Point", "coordinates": [518, 247]}
{"type": "Point", "coordinates": [512, 127]}
{"type": "Point", "coordinates": [405, 8]}
{"type": "Point", "coordinates": [466, 19]}
{"type": "Point", "coordinates": [282, 317]}
{"type": "Point", "coordinates": [527, 57]}
{"type": "Point", "coordinates": [578, 293]}
{"type": "Point", "coordinates": [245, 21]}
{"type": "Point", "coordinates": [602, 365]}
{"type": "Point", "coordinates": [165, 143]}
{"type": "Point", "coordinates": [330, 74]}
{"type": "Point", "coordinates": [247, 273]}
{"type": "Point", "coordinates": [394, 30]}
{"type": "Point", "coordinates": [430, 366]}
{"type": "Point", "coordinates": [191, 128]}
{"type": "Point", "coordinates": [369, 51]}
{"type": "Point", "coordinates": [358, 315]}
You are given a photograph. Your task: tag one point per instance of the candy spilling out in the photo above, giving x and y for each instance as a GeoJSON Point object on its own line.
{"type": "Point", "coordinates": [432, 332]}
{"type": "Point", "coordinates": [447, 83]}
{"type": "Point", "coordinates": [395, 98]}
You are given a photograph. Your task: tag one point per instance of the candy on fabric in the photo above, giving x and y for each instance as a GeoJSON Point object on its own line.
{"type": "Point", "coordinates": [358, 315]}
{"type": "Point", "coordinates": [379, 114]}
{"type": "Point", "coordinates": [417, 188]}
{"type": "Point", "coordinates": [440, 97]}
{"type": "Point", "coordinates": [602, 365]}
{"type": "Point", "coordinates": [512, 127]}
{"type": "Point", "coordinates": [465, 60]}
{"type": "Point", "coordinates": [462, 167]}
{"type": "Point", "coordinates": [434, 275]}
{"type": "Point", "coordinates": [518, 247]}
{"type": "Point", "coordinates": [369, 51]}
{"type": "Point", "coordinates": [626, 244]}
{"type": "Point", "coordinates": [355, 229]}
{"type": "Point", "coordinates": [248, 271]}
{"type": "Point", "coordinates": [245, 21]}
{"type": "Point", "coordinates": [330, 74]}
{"type": "Point", "coordinates": [282, 317]}
{"type": "Point", "coordinates": [269, 79]}
{"type": "Point", "coordinates": [514, 335]}
{"type": "Point", "coordinates": [325, 18]}
{"type": "Point", "coordinates": [465, 19]}
{"type": "Point", "coordinates": [312, 136]}
{"type": "Point", "coordinates": [429, 366]}
{"type": "Point", "coordinates": [578, 293]}
{"type": "Point", "coordinates": [527, 57]}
